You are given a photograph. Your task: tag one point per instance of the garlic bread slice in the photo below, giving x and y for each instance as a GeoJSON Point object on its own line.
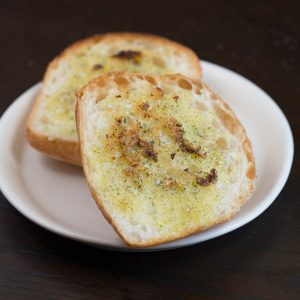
{"type": "Point", "coordinates": [164, 156]}
{"type": "Point", "coordinates": [51, 126]}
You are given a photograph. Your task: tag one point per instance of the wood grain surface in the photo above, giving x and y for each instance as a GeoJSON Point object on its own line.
{"type": "Point", "coordinates": [258, 39]}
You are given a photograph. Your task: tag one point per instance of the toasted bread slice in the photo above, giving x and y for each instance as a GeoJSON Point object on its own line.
{"type": "Point", "coordinates": [164, 156]}
{"type": "Point", "coordinates": [51, 125]}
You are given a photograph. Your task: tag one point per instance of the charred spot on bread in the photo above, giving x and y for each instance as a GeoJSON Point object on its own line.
{"type": "Point", "coordinates": [149, 149]}
{"type": "Point", "coordinates": [145, 106]}
{"type": "Point", "coordinates": [98, 67]}
{"type": "Point", "coordinates": [129, 55]}
{"type": "Point", "coordinates": [185, 146]}
{"type": "Point", "coordinates": [210, 178]}
{"type": "Point", "coordinates": [126, 136]}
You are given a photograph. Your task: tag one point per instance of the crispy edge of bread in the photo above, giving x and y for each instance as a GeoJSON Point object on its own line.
{"type": "Point", "coordinates": [68, 151]}
{"type": "Point", "coordinates": [247, 147]}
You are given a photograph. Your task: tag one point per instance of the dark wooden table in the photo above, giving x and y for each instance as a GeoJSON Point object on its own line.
{"type": "Point", "coordinates": [260, 260]}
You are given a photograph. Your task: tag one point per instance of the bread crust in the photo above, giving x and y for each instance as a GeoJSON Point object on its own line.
{"type": "Point", "coordinates": [66, 150]}
{"type": "Point", "coordinates": [232, 122]}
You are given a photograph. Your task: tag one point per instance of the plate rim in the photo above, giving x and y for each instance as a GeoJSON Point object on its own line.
{"type": "Point", "coordinates": [261, 207]}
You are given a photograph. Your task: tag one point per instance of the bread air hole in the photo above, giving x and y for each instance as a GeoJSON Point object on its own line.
{"type": "Point", "coordinates": [183, 83]}
{"type": "Point", "coordinates": [221, 143]}
{"type": "Point", "coordinates": [202, 106]}
{"type": "Point", "coordinates": [198, 91]}
{"type": "Point", "coordinates": [101, 96]}
{"type": "Point", "coordinates": [150, 79]}
{"type": "Point", "coordinates": [159, 62]}
{"type": "Point", "coordinates": [228, 121]}
{"type": "Point", "coordinates": [140, 76]}
{"type": "Point", "coordinates": [157, 93]}
{"type": "Point", "coordinates": [120, 80]}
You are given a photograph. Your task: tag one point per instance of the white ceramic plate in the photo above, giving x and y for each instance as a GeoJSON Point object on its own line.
{"type": "Point", "coordinates": [55, 196]}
